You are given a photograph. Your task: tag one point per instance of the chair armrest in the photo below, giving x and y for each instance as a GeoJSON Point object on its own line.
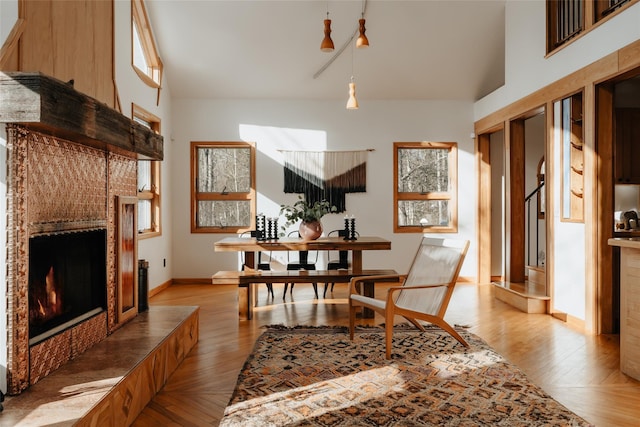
{"type": "Point", "coordinates": [392, 290]}
{"type": "Point", "coordinates": [357, 279]}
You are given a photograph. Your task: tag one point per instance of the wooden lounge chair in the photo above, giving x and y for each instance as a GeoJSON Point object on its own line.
{"type": "Point", "coordinates": [424, 293]}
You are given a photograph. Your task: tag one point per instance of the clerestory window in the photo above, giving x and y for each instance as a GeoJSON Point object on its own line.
{"type": "Point", "coordinates": [145, 58]}
{"type": "Point", "coordinates": [568, 19]}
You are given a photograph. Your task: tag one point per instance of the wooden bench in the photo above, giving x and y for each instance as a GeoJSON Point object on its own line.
{"type": "Point", "coordinates": [245, 280]}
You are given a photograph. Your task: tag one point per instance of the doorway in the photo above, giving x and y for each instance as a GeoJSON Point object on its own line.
{"type": "Point", "coordinates": [512, 232]}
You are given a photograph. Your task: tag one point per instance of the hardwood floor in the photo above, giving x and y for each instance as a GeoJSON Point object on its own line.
{"type": "Point", "coordinates": [580, 371]}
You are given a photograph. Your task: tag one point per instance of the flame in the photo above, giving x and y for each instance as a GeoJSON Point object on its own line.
{"type": "Point", "coordinates": [41, 308]}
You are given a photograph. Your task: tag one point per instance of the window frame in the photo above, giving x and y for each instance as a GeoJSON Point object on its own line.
{"type": "Point", "coordinates": [571, 157]}
{"type": "Point", "coordinates": [153, 193]}
{"type": "Point", "coordinates": [593, 15]}
{"type": "Point", "coordinates": [450, 196]}
{"type": "Point", "coordinates": [140, 20]}
{"type": "Point", "coordinates": [197, 196]}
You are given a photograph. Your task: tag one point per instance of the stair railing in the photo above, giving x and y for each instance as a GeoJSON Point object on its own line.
{"type": "Point", "coordinates": [527, 201]}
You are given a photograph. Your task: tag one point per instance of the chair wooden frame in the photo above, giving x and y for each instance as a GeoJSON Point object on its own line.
{"type": "Point", "coordinates": [389, 307]}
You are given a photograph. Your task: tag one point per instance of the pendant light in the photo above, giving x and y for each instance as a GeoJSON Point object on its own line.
{"type": "Point", "coordinates": [327, 43]}
{"type": "Point", "coordinates": [362, 41]}
{"type": "Point", "coordinates": [352, 102]}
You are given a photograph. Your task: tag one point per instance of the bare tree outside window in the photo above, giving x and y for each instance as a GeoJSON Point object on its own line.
{"type": "Point", "coordinates": [425, 187]}
{"type": "Point", "coordinates": [223, 181]}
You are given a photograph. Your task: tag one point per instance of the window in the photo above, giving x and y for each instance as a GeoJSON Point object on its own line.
{"type": "Point", "coordinates": [425, 182]}
{"type": "Point", "coordinates": [566, 19]}
{"type": "Point", "coordinates": [145, 59]}
{"type": "Point", "coordinates": [572, 138]}
{"type": "Point", "coordinates": [222, 187]}
{"type": "Point", "coordinates": [148, 182]}
{"type": "Point", "coordinates": [603, 8]}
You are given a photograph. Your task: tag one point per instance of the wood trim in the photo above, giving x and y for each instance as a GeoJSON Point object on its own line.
{"type": "Point", "coordinates": [155, 291]}
{"type": "Point", "coordinates": [483, 217]}
{"type": "Point", "coordinates": [589, 186]}
{"type": "Point", "coordinates": [549, 205]}
{"type": "Point", "coordinates": [516, 192]}
{"type": "Point", "coordinates": [602, 208]}
{"type": "Point", "coordinates": [10, 46]}
{"type": "Point", "coordinates": [598, 71]}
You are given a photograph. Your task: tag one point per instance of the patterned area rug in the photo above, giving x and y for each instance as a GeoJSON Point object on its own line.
{"type": "Point", "coordinates": [315, 376]}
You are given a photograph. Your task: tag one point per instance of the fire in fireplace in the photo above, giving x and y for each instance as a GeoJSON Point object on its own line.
{"type": "Point", "coordinates": [67, 280]}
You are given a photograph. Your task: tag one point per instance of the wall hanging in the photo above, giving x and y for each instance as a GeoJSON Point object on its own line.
{"type": "Point", "coordinates": [325, 175]}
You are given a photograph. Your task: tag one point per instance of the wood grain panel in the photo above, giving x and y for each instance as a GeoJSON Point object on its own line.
{"type": "Point", "coordinates": [71, 40]}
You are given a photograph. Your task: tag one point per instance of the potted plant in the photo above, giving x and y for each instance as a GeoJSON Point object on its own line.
{"type": "Point", "coordinates": [309, 216]}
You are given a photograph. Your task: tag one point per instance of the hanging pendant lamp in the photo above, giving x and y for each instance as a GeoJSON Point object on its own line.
{"type": "Point", "coordinates": [327, 43]}
{"type": "Point", "coordinates": [352, 103]}
{"type": "Point", "coordinates": [362, 41]}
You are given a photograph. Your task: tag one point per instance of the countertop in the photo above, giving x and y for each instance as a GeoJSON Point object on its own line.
{"type": "Point", "coordinates": [625, 242]}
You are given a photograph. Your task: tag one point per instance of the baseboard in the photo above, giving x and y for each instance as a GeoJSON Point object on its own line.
{"type": "Point", "coordinates": [160, 288]}
{"type": "Point", "coordinates": [191, 281]}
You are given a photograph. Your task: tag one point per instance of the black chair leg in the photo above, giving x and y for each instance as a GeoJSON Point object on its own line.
{"type": "Point", "coordinates": [270, 289]}
{"type": "Point", "coordinates": [315, 289]}
{"type": "Point", "coordinates": [324, 295]}
{"type": "Point", "coordinates": [284, 293]}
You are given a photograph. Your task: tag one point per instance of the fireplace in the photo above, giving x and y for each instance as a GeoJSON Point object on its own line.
{"type": "Point", "coordinates": [70, 159]}
{"type": "Point", "coordinates": [67, 281]}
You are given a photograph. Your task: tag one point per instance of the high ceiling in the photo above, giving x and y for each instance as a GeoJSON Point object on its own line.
{"type": "Point", "coordinates": [262, 49]}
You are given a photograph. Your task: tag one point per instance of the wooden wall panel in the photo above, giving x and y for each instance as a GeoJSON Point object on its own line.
{"type": "Point", "coordinates": [71, 40]}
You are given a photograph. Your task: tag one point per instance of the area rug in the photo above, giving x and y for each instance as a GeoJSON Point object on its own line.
{"type": "Point", "coordinates": [316, 376]}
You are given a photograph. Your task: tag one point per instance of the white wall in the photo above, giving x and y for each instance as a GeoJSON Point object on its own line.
{"type": "Point", "coordinates": [8, 17]}
{"type": "Point", "coordinates": [569, 247]}
{"type": "Point", "coordinates": [132, 89]}
{"type": "Point", "coordinates": [319, 125]}
{"type": "Point", "coordinates": [527, 69]}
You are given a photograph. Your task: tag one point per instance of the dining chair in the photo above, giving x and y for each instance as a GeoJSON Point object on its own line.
{"type": "Point", "coordinates": [302, 261]}
{"type": "Point", "coordinates": [340, 263]}
{"type": "Point", "coordinates": [260, 265]}
{"type": "Point", "coordinates": [425, 291]}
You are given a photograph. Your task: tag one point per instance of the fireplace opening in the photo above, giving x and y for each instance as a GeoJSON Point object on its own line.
{"type": "Point", "coordinates": [67, 280]}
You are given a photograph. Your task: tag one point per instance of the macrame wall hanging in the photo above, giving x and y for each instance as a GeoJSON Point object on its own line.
{"type": "Point", "coordinates": [325, 175]}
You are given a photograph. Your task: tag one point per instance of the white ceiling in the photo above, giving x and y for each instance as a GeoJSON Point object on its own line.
{"type": "Point", "coordinates": [265, 49]}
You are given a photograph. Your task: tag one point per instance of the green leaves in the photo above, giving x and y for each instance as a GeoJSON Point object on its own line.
{"type": "Point", "coordinates": [302, 211]}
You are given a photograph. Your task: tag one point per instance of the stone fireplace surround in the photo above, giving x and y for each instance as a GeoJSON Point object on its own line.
{"type": "Point", "coordinates": [69, 157]}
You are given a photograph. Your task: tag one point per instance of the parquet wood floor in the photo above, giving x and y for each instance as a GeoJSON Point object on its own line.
{"type": "Point", "coordinates": [580, 371]}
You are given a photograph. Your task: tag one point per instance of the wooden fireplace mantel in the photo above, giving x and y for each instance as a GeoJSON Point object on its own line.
{"type": "Point", "coordinates": [48, 105]}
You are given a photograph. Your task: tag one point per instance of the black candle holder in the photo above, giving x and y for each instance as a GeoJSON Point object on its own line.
{"type": "Point", "coordinates": [261, 232]}
{"type": "Point", "coordinates": [349, 231]}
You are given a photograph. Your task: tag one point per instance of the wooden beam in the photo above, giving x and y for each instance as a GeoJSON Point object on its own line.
{"type": "Point", "coordinates": [51, 106]}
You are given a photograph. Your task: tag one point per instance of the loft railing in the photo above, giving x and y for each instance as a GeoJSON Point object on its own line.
{"type": "Point", "coordinates": [527, 201]}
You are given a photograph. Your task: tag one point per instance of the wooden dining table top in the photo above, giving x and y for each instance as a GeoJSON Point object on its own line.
{"type": "Point", "coordinates": [235, 244]}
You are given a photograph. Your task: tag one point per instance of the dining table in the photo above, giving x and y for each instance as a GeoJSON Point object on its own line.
{"type": "Point", "coordinates": [251, 245]}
